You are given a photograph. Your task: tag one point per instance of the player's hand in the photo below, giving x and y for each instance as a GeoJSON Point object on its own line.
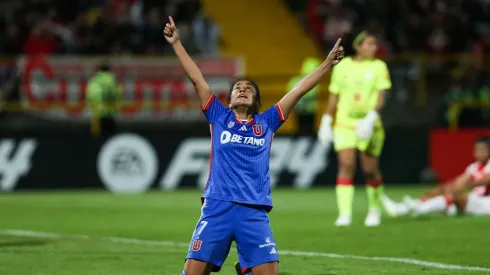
{"type": "Point", "coordinates": [336, 54]}
{"type": "Point", "coordinates": [170, 32]}
{"type": "Point", "coordinates": [325, 133]}
{"type": "Point", "coordinates": [365, 126]}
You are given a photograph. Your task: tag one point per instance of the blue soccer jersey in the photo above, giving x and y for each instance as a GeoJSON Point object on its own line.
{"type": "Point", "coordinates": [240, 153]}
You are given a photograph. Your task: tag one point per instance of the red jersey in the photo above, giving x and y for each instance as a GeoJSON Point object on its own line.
{"type": "Point", "coordinates": [478, 171]}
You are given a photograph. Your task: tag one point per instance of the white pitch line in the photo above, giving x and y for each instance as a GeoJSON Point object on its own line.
{"type": "Point", "coordinates": [37, 234]}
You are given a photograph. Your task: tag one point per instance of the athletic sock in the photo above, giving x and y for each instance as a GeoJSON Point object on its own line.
{"type": "Point", "coordinates": [345, 196]}
{"type": "Point", "coordinates": [374, 191]}
{"type": "Point", "coordinates": [434, 205]}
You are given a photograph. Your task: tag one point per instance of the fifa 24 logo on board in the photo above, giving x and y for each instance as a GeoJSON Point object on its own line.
{"type": "Point", "coordinates": [303, 158]}
{"type": "Point", "coordinates": [15, 161]}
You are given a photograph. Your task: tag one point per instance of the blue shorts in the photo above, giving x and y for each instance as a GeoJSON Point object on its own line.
{"type": "Point", "coordinates": [223, 222]}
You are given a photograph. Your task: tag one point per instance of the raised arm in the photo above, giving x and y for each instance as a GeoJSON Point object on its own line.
{"type": "Point", "coordinates": [288, 102]}
{"type": "Point", "coordinates": [333, 100]}
{"type": "Point", "coordinates": [171, 34]}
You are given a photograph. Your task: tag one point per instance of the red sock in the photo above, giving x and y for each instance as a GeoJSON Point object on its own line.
{"type": "Point", "coordinates": [449, 200]}
{"type": "Point", "coordinates": [344, 182]}
{"type": "Point", "coordinates": [374, 183]}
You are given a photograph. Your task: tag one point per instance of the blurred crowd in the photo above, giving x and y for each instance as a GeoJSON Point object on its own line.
{"type": "Point", "coordinates": [102, 26]}
{"type": "Point", "coordinates": [434, 26]}
{"type": "Point", "coordinates": [123, 27]}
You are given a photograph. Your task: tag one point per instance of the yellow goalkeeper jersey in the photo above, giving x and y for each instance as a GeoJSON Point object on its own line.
{"type": "Point", "coordinates": [358, 83]}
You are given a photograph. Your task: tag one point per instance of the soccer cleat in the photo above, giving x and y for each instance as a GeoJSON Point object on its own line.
{"type": "Point", "coordinates": [452, 210]}
{"type": "Point", "coordinates": [419, 209]}
{"type": "Point", "coordinates": [343, 220]}
{"type": "Point", "coordinates": [402, 209]}
{"type": "Point", "coordinates": [394, 209]}
{"type": "Point", "coordinates": [411, 203]}
{"type": "Point", "coordinates": [389, 206]}
{"type": "Point", "coordinates": [373, 218]}
{"type": "Point", "coordinates": [239, 270]}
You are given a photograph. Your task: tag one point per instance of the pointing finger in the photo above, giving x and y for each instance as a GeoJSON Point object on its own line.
{"type": "Point", "coordinates": [337, 44]}
{"type": "Point", "coordinates": [171, 21]}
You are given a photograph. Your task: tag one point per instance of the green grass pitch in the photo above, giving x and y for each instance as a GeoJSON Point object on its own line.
{"type": "Point", "coordinates": [95, 232]}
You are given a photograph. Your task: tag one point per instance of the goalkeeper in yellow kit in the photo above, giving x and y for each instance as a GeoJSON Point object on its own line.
{"type": "Point", "coordinates": [357, 95]}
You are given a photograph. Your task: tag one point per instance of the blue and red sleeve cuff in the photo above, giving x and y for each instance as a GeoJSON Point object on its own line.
{"type": "Point", "coordinates": [208, 103]}
{"type": "Point", "coordinates": [280, 113]}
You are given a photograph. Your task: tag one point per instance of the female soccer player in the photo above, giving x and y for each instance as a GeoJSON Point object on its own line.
{"type": "Point", "coordinates": [357, 93]}
{"type": "Point", "coordinates": [237, 196]}
{"type": "Point", "coordinates": [475, 177]}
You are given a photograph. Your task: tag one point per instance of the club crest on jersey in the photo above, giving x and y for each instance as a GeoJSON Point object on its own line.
{"type": "Point", "coordinates": [231, 124]}
{"type": "Point", "coordinates": [257, 129]}
{"type": "Point", "coordinates": [196, 245]}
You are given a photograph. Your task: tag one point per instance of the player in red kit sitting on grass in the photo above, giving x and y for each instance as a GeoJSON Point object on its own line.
{"type": "Point", "coordinates": [451, 195]}
{"type": "Point", "coordinates": [237, 196]}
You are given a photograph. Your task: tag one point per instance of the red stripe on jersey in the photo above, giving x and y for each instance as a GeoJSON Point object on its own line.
{"type": "Point", "coordinates": [478, 174]}
{"type": "Point", "coordinates": [210, 150]}
{"type": "Point", "coordinates": [208, 103]}
{"type": "Point", "coordinates": [279, 111]}
{"type": "Point", "coordinates": [210, 158]}
{"type": "Point", "coordinates": [248, 122]}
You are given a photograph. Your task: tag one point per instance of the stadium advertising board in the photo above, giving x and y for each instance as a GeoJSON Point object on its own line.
{"type": "Point", "coordinates": [128, 163]}
{"type": "Point", "coordinates": [153, 88]}
{"type": "Point", "coordinates": [167, 159]}
{"type": "Point", "coordinates": [7, 70]}
{"type": "Point", "coordinates": [15, 161]}
{"type": "Point", "coordinates": [133, 163]}
{"type": "Point", "coordinates": [452, 151]}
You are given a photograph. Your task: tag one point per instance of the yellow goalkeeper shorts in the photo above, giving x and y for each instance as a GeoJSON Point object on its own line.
{"type": "Point", "coordinates": [346, 138]}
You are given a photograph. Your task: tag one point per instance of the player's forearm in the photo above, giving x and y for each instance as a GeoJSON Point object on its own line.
{"type": "Point", "coordinates": [190, 67]}
{"type": "Point", "coordinates": [473, 184]}
{"type": "Point", "coordinates": [311, 80]}
{"type": "Point", "coordinates": [288, 102]}
{"type": "Point", "coordinates": [331, 104]}
{"type": "Point", "coordinates": [192, 71]}
{"type": "Point", "coordinates": [381, 101]}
